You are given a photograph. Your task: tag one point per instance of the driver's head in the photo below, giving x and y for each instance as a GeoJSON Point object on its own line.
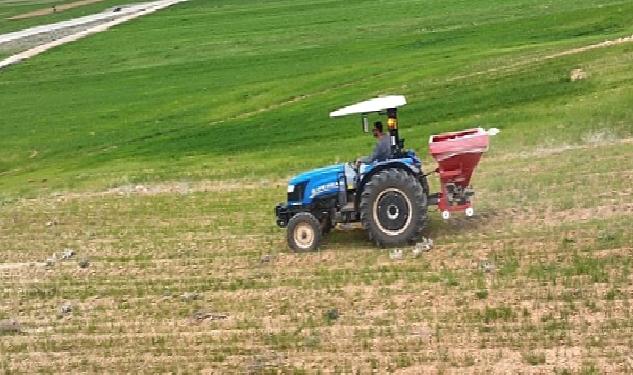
{"type": "Point", "coordinates": [377, 130]}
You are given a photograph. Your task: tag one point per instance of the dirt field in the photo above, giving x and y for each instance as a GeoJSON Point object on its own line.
{"type": "Point", "coordinates": [196, 277]}
{"type": "Point", "coordinates": [139, 170]}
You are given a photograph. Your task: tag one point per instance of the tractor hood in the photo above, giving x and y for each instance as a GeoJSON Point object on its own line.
{"type": "Point", "coordinates": [317, 183]}
{"type": "Point", "coordinates": [326, 173]}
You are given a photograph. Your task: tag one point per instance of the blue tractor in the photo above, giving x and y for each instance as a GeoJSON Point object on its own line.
{"type": "Point", "coordinates": [389, 198]}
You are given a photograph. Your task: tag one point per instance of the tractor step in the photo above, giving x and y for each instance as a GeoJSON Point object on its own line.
{"type": "Point", "coordinates": [349, 207]}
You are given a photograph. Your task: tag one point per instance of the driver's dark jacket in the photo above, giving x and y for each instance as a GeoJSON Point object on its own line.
{"type": "Point", "coordinates": [382, 151]}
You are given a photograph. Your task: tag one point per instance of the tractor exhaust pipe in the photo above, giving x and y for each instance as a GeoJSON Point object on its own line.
{"type": "Point", "coordinates": [365, 123]}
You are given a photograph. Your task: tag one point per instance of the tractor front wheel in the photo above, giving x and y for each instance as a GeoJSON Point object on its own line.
{"type": "Point", "coordinates": [304, 232]}
{"type": "Point", "coordinates": [393, 207]}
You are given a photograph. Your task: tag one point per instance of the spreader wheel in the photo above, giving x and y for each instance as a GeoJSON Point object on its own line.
{"type": "Point", "coordinates": [304, 232]}
{"type": "Point", "coordinates": [393, 207]}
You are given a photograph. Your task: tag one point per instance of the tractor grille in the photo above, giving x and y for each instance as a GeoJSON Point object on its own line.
{"type": "Point", "coordinates": [297, 194]}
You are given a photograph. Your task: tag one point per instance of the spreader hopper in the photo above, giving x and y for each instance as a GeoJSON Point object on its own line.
{"type": "Point", "coordinates": [457, 154]}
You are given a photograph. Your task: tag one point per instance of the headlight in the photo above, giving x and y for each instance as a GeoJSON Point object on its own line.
{"type": "Point", "coordinates": [291, 188]}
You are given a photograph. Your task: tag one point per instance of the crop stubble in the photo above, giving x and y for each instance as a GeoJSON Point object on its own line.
{"type": "Point", "coordinates": [557, 298]}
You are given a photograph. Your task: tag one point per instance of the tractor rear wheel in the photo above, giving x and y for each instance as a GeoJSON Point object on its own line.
{"type": "Point", "coordinates": [393, 207]}
{"type": "Point", "coordinates": [304, 232]}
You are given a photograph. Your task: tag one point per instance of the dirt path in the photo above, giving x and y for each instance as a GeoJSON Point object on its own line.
{"type": "Point", "coordinates": [105, 16]}
{"type": "Point", "coordinates": [80, 28]}
{"type": "Point", "coordinates": [53, 9]}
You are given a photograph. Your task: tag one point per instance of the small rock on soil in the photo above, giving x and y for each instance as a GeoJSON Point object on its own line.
{"type": "Point", "coordinates": [65, 309]}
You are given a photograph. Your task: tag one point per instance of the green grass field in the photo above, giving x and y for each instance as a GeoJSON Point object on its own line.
{"type": "Point", "coordinates": [159, 148]}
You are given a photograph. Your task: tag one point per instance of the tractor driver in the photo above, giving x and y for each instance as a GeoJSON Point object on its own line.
{"type": "Point", "coordinates": [382, 151]}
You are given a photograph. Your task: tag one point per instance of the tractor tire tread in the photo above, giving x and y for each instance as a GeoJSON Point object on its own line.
{"type": "Point", "coordinates": [313, 222]}
{"type": "Point", "coordinates": [397, 178]}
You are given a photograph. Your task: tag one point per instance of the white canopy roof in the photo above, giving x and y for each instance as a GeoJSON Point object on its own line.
{"type": "Point", "coordinates": [371, 105]}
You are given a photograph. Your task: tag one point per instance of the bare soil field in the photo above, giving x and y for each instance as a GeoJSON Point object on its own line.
{"type": "Point", "coordinates": [196, 277]}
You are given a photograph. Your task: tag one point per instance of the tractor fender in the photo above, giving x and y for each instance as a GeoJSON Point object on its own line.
{"type": "Point", "coordinates": [391, 164]}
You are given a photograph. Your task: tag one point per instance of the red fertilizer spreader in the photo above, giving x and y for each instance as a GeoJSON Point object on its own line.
{"type": "Point", "coordinates": [457, 155]}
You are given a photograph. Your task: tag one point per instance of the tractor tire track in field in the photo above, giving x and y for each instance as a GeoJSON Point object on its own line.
{"type": "Point", "coordinates": [164, 188]}
{"type": "Point", "coordinates": [86, 26]}
{"type": "Point", "coordinates": [573, 51]}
